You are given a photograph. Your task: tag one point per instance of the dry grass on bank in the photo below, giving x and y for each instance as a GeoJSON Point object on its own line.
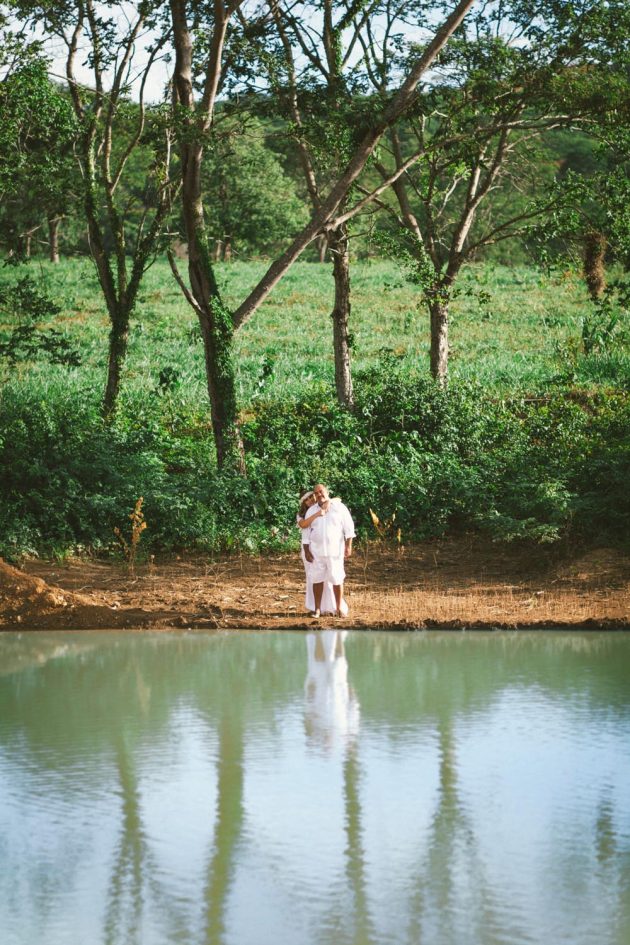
{"type": "Point", "coordinates": [451, 583]}
{"type": "Point", "coordinates": [504, 606]}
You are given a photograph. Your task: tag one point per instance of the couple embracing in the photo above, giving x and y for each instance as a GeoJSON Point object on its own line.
{"type": "Point", "coordinates": [327, 533]}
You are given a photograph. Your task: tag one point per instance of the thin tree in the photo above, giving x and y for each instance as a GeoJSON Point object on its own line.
{"type": "Point", "coordinates": [322, 120]}
{"type": "Point", "coordinates": [111, 129]}
{"type": "Point", "coordinates": [194, 124]}
{"type": "Point", "coordinates": [463, 158]}
{"type": "Point", "coordinates": [195, 121]}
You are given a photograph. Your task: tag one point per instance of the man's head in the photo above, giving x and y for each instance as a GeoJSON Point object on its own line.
{"type": "Point", "coordinates": [321, 493]}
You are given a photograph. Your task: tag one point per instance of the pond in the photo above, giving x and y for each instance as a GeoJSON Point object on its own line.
{"type": "Point", "coordinates": [315, 789]}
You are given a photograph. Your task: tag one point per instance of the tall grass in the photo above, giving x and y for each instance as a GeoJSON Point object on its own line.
{"type": "Point", "coordinates": [528, 443]}
{"type": "Point", "coordinates": [516, 339]}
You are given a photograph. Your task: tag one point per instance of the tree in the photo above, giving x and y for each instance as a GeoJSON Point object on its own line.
{"type": "Point", "coordinates": [37, 133]}
{"type": "Point", "coordinates": [325, 109]}
{"type": "Point", "coordinates": [512, 73]}
{"type": "Point", "coordinates": [250, 202]}
{"type": "Point", "coordinates": [318, 67]}
{"type": "Point", "coordinates": [111, 130]}
{"type": "Point", "coordinates": [195, 123]}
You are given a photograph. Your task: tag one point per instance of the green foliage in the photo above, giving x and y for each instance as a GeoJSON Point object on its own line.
{"type": "Point", "coordinates": [598, 331]}
{"type": "Point", "coordinates": [67, 475]}
{"type": "Point", "coordinates": [411, 257]}
{"type": "Point", "coordinates": [26, 302]}
{"type": "Point", "coordinates": [506, 451]}
{"type": "Point", "coordinates": [249, 201]}
{"type": "Point", "coordinates": [599, 351]}
{"type": "Point", "coordinates": [439, 461]}
{"type": "Point", "coordinates": [27, 342]}
{"type": "Point", "coordinates": [37, 128]}
{"type": "Point", "coordinates": [37, 169]}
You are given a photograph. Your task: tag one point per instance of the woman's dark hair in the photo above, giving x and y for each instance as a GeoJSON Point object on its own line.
{"type": "Point", "coordinates": [304, 506]}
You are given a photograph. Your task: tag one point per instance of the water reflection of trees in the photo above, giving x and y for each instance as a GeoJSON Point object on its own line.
{"type": "Point", "coordinates": [229, 824]}
{"type": "Point", "coordinates": [92, 700]}
{"type": "Point", "coordinates": [452, 671]}
{"type": "Point", "coordinates": [130, 867]}
{"type": "Point", "coordinates": [355, 852]}
{"type": "Point", "coordinates": [445, 678]}
{"type": "Point", "coordinates": [108, 697]}
{"type": "Point", "coordinates": [332, 716]}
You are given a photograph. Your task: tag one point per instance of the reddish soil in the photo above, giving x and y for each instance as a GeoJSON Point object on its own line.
{"type": "Point", "coordinates": [460, 583]}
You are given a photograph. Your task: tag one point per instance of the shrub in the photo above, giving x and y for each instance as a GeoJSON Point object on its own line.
{"type": "Point", "coordinates": [442, 461]}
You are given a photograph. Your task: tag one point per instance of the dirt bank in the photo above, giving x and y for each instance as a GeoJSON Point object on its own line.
{"type": "Point", "coordinates": [451, 583]}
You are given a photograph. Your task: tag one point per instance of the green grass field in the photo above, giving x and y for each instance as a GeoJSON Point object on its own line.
{"type": "Point", "coordinates": [530, 441]}
{"type": "Point", "coordinates": [524, 335]}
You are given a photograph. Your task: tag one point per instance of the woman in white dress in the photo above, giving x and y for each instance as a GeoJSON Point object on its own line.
{"type": "Point", "coordinates": [310, 510]}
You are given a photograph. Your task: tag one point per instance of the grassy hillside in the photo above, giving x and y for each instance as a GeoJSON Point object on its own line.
{"type": "Point", "coordinates": [530, 441]}
{"type": "Point", "coordinates": [511, 328]}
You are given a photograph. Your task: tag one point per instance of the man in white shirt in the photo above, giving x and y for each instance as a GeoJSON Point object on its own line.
{"type": "Point", "coordinates": [327, 542]}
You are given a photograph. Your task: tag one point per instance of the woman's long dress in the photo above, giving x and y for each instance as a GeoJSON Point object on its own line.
{"type": "Point", "coordinates": [328, 605]}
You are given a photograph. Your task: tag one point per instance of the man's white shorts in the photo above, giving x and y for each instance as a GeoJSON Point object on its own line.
{"type": "Point", "coordinates": [325, 568]}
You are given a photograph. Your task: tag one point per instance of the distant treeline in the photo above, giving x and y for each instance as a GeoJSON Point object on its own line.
{"type": "Point", "coordinates": [255, 198]}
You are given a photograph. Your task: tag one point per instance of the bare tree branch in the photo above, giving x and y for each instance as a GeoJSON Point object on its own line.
{"type": "Point", "coordinates": [402, 100]}
{"type": "Point", "coordinates": [112, 103]}
{"type": "Point", "coordinates": [180, 282]}
{"type": "Point", "coordinates": [305, 158]}
{"type": "Point", "coordinates": [372, 195]}
{"type": "Point", "coordinates": [503, 231]}
{"type": "Point", "coordinates": [300, 30]}
{"type": "Point", "coordinates": [358, 25]}
{"type": "Point", "coordinates": [137, 136]}
{"type": "Point", "coordinates": [213, 72]}
{"type": "Point", "coordinates": [72, 52]}
{"type": "Point", "coordinates": [97, 57]}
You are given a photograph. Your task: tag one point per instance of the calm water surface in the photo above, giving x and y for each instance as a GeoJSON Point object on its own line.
{"type": "Point", "coordinates": [320, 789]}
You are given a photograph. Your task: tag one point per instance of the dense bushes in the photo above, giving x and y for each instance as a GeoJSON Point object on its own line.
{"type": "Point", "coordinates": [439, 461]}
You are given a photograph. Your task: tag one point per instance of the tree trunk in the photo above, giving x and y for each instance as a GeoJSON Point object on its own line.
{"type": "Point", "coordinates": [53, 237]}
{"type": "Point", "coordinates": [338, 246]}
{"type": "Point", "coordinates": [322, 246]}
{"type": "Point", "coordinates": [118, 342]}
{"type": "Point", "coordinates": [439, 340]}
{"type": "Point", "coordinates": [216, 330]}
{"type": "Point", "coordinates": [218, 333]}
{"type": "Point", "coordinates": [119, 306]}
{"type": "Point", "coordinates": [217, 327]}
{"type": "Point", "coordinates": [119, 310]}
{"type": "Point", "coordinates": [594, 263]}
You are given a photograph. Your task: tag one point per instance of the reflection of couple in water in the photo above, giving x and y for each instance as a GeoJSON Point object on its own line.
{"type": "Point", "coordinates": [332, 708]}
{"type": "Point", "coordinates": [327, 532]}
